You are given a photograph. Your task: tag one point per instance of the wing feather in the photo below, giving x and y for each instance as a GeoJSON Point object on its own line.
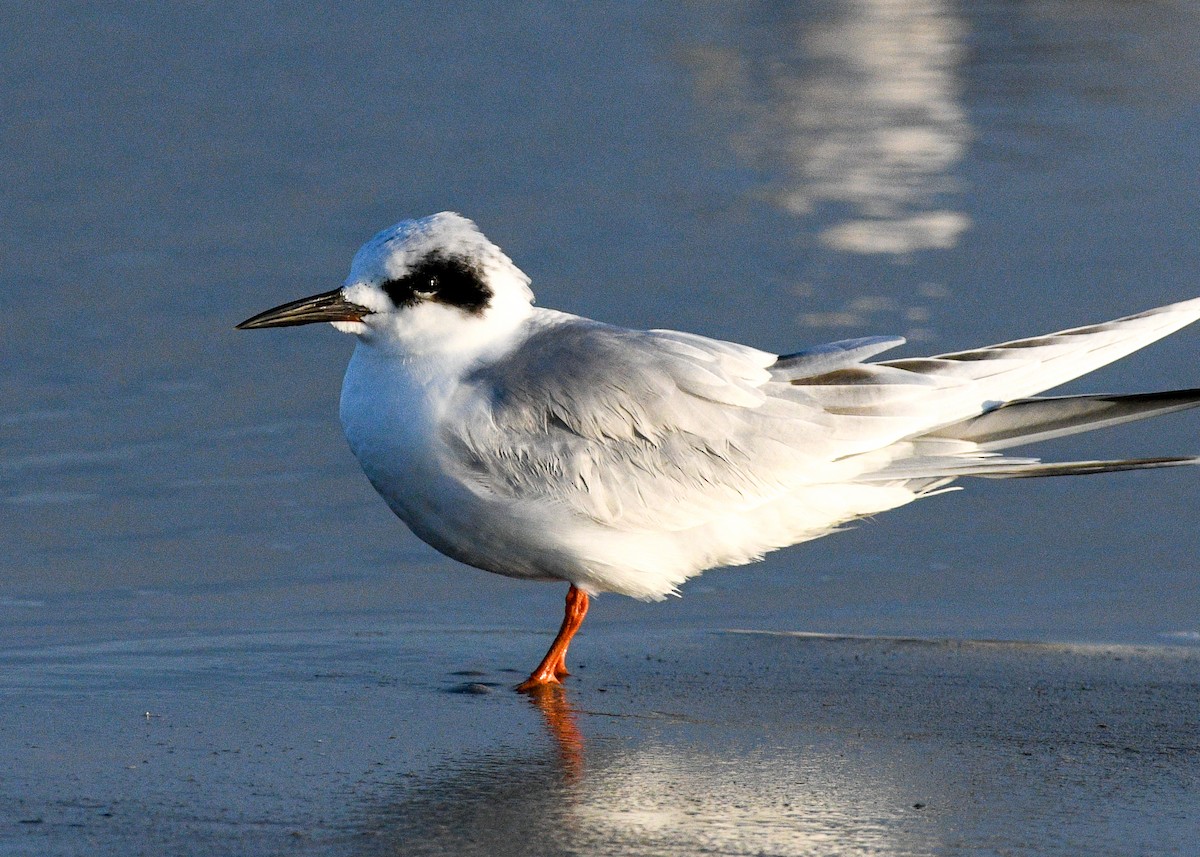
{"type": "Point", "coordinates": [661, 430]}
{"type": "Point", "coordinates": [638, 430]}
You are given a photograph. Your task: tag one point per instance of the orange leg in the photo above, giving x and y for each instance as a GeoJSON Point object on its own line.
{"type": "Point", "coordinates": [554, 665]}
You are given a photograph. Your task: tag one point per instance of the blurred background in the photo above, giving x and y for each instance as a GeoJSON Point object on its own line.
{"type": "Point", "coordinates": [779, 174]}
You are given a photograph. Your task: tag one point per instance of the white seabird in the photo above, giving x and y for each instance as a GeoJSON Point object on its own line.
{"type": "Point", "coordinates": [541, 445]}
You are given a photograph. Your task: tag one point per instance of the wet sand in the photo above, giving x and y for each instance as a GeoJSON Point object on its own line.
{"type": "Point", "coordinates": [407, 740]}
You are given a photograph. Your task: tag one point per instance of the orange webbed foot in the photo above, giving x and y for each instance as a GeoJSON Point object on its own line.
{"type": "Point", "coordinates": [541, 680]}
{"type": "Point", "coordinates": [554, 666]}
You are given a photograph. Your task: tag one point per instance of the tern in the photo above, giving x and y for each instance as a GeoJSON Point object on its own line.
{"type": "Point", "coordinates": [542, 445]}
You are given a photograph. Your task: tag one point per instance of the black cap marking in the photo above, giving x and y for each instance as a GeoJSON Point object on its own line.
{"type": "Point", "coordinates": [445, 279]}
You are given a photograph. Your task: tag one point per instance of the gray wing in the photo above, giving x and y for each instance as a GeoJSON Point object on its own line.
{"type": "Point", "coordinates": [652, 429]}
{"type": "Point", "coordinates": [664, 430]}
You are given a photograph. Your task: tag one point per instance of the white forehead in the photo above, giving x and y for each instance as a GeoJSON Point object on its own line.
{"type": "Point", "coordinates": [392, 252]}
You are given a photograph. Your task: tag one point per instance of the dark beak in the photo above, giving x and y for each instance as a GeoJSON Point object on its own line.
{"type": "Point", "coordinates": [327, 306]}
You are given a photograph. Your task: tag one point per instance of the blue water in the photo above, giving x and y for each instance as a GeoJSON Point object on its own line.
{"type": "Point", "coordinates": [775, 174]}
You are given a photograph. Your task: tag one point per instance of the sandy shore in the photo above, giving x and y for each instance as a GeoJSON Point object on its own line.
{"type": "Point", "coordinates": [403, 740]}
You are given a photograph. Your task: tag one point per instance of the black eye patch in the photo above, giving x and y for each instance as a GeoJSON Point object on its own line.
{"type": "Point", "coordinates": [444, 279]}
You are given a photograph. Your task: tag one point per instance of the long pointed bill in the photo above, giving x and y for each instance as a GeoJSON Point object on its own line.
{"type": "Point", "coordinates": [327, 306]}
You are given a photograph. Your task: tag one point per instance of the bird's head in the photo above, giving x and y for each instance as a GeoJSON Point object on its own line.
{"type": "Point", "coordinates": [428, 285]}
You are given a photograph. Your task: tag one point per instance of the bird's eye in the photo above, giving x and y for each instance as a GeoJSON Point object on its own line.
{"type": "Point", "coordinates": [430, 289]}
{"type": "Point", "coordinates": [439, 279]}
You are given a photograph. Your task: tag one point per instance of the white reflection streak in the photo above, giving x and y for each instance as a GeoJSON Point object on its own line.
{"type": "Point", "coordinates": [782, 800]}
{"type": "Point", "coordinates": [870, 118]}
{"type": "Point", "coordinates": [768, 803]}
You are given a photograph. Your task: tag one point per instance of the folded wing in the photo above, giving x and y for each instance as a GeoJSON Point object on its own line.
{"type": "Point", "coordinates": [665, 430]}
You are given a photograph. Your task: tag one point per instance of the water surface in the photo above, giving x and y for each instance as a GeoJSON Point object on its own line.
{"type": "Point", "coordinates": [774, 174]}
{"type": "Point", "coordinates": [777, 174]}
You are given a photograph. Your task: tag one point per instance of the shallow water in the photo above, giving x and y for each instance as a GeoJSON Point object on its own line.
{"type": "Point", "coordinates": [777, 174]}
{"type": "Point", "coordinates": [379, 742]}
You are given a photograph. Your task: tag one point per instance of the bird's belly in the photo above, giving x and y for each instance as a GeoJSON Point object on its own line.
{"type": "Point", "coordinates": [450, 515]}
{"type": "Point", "coordinates": [394, 431]}
{"type": "Point", "coordinates": [455, 521]}
{"type": "Point", "coordinates": [543, 541]}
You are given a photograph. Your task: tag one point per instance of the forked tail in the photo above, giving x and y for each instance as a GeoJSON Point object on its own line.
{"type": "Point", "coordinates": [977, 403]}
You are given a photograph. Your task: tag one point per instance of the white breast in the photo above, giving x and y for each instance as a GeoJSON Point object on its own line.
{"type": "Point", "coordinates": [392, 412]}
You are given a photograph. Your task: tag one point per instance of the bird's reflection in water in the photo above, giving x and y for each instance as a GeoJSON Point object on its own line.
{"type": "Point", "coordinates": [562, 724]}
{"type": "Point", "coordinates": [677, 788]}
